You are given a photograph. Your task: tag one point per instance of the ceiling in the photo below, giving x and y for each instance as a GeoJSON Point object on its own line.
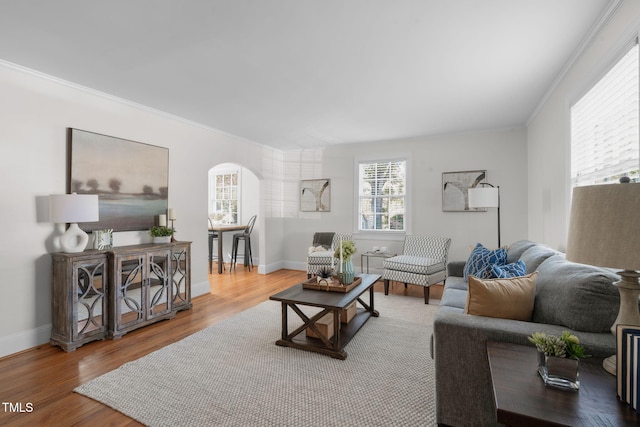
{"type": "Point", "coordinates": [295, 74]}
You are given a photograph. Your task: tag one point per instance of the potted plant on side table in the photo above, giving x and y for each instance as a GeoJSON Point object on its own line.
{"type": "Point", "coordinates": [559, 359]}
{"type": "Point", "coordinates": [161, 234]}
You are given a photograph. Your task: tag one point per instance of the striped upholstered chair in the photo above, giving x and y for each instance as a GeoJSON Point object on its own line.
{"type": "Point", "coordinates": [318, 260]}
{"type": "Point", "coordinates": [423, 262]}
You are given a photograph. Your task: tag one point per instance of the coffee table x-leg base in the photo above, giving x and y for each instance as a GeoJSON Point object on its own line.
{"type": "Point", "coordinates": [342, 334]}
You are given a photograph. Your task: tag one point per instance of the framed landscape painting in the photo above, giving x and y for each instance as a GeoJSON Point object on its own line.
{"type": "Point", "coordinates": [130, 178]}
{"type": "Point", "coordinates": [455, 190]}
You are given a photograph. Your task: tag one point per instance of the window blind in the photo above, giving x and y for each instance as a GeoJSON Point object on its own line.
{"type": "Point", "coordinates": [605, 139]}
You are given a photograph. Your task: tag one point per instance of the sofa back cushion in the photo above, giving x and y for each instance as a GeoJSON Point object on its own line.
{"type": "Point", "coordinates": [578, 296]}
{"type": "Point", "coordinates": [535, 255]}
{"type": "Point", "coordinates": [516, 249]}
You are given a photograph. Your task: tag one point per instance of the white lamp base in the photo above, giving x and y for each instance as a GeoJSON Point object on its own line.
{"type": "Point", "coordinates": [629, 288]}
{"type": "Point", "coordinates": [610, 364]}
{"type": "Point", "coordinates": [74, 240]}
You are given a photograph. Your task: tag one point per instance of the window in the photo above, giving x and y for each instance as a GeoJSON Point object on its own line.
{"type": "Point", "coordinates": [223, 197]}
{"type": "Point", "coordinates": [382, 195]}
{"type": "Point", "coordinates": [605, 143]}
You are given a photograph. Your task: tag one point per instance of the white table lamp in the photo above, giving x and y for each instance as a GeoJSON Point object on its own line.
{"type": "Point", "coordinates": [604, 230]}
{"type": "Point", "coordinates": [73, 208]}
{"type": "Point", "coordinates": [486, 197]}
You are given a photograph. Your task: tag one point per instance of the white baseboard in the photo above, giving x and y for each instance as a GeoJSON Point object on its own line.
{"type": "Point", "coordinates": [200, 288]}
{"type": "Point", "coordinates": [25, 340]}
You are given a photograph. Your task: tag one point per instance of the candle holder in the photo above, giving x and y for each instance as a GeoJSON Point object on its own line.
{"type": "Point", "coordinates": [172, 217]}
{"type": "Point", "coordinates": [173, 230]}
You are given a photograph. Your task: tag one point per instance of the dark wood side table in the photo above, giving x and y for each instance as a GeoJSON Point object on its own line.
{"type": "Point", "coordinates": [523, 400]}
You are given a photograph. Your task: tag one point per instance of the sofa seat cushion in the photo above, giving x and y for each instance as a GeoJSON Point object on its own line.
{"type": "Point", "coordinates": [577, 296]}
{"type": "Point", "coordinates": [414, 264]}
{"type": "Point", "coordinates": [455, 282]}
{"type": "Point", "coordinates": [320, 257]}
{"type": "Point", "coordinates": [481, 259]}
{"type": "Point", "coordinates": [510, 298]}
{"type": "Point", "coordinates": [454, 298]}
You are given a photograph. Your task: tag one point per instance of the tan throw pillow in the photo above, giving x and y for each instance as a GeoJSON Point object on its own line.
{"type": "Point", "coordinates": [510, 298]}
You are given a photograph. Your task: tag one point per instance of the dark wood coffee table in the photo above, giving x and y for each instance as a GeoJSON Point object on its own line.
{"type": "Point", "coordinates": [523, 400]}
{"type": "Point", "coordinates": [329, 302]}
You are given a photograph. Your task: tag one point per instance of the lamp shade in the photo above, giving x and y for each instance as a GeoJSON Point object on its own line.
{"type": "Point", "coordinates": [73, 208]}
{"type": "Point", "coordinates": [604, 226]}
{"type": "Point", "coordinates": [484, 197]}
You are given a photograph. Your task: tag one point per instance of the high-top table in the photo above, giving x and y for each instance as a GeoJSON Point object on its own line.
{"type": "Point", "coordinates": [219, 229]}
{"type": "Point", "coordinates": [329, 302]}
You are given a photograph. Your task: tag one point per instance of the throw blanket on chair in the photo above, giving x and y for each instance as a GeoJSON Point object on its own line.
{"type": "Point", "coordinates": [323, 239]}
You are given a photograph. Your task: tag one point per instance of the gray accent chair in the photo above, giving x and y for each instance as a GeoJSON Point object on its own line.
{"type": "Point", "coordinates": [423, 262]}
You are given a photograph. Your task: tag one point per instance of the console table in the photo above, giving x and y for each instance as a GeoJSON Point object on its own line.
{"type": "Point", "coordinates": [107, 293]}
{"type": "Point", "coordinates": [522, 399]}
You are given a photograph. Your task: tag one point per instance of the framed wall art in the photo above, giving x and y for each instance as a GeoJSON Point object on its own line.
{"type": "Point", "coordinates": [455, 187]}
{"type": "Point", "coordinates": [102, 239]}
{"type": "Point", "coordinates": [315, 195]}
{"type": "Point", "coordinates": [130, 178]}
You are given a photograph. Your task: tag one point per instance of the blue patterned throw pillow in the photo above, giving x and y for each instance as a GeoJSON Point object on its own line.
{"type": "Point", "coordinates": [516, 269]}
{"type": "Point", "coordinates": [482, 259]}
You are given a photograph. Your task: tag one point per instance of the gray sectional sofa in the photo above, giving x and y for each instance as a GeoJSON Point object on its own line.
{"type": "Point", "coordinates": [569, 296]}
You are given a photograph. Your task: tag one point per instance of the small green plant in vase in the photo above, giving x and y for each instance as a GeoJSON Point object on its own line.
{"type": "Point", "coordinates": [161, 234]}
{"type": "Point", "coordinates": [160, 231]}
{"type": "Point", "coordinates": [566, 345]}
{"type": "Point", "coordinates": [559, 359]}
{"type": "Point", "coordinates": [343, 253]}
{"type": "Point", "coordinates": [348, 249]}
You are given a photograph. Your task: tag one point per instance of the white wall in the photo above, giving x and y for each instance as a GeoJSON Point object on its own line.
{"type": "Point", "coordinates": [548, 133]}
{"type": "Point", "coordinates": [501, 152]}
{"type": "Point", "coordinates": [35, 112]}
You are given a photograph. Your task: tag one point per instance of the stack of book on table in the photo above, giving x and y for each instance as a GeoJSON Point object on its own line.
{"type": "Point", "coordinates": [627, 365]}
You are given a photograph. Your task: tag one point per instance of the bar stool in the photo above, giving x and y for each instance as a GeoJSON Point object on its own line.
{"type": "Point", "coordinates": [246, 236]}
{"type": "Point", "coordinates": [213, 235]}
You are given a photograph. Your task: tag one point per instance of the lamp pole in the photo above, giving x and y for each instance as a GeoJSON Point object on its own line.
{"type": "Point", "coordinates": [497, 187]}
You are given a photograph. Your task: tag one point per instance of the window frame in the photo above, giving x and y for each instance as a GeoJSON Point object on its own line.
{"type": "Point", "coordinates": [213, 178]}
{"type": "Point", "coordinates": [382, 234]}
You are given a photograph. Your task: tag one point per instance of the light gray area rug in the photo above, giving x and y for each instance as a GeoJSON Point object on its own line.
{"type": "Point", "coordinates": [233, 374]}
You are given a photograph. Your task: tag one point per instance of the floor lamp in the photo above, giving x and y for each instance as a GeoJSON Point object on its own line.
{"type": "Point", "coordinates": [487, 196]}
{"type": "Point", "coordinates": [603, 231]}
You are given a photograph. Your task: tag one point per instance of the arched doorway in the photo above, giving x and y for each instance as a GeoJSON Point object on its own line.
{"type": "Point", "coordinates": [233, 198]}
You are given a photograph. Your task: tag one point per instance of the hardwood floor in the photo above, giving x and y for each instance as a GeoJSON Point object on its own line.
{"type": "Point", "coordinates": [36, 386]}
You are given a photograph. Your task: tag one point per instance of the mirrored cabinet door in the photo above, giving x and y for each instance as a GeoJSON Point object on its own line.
{"type": "Point", "coordinates": [159, 284]}
{"type": "Point", "coordinates": [129, 291]}
{"type": "Point", "coordinates": [79, 298]}
{"type": "Point", "coordinates": [180, 276]}
{"type": "Point", "coordinates": [91, 299]}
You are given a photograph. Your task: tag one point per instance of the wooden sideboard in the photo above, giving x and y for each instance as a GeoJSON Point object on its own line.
{"type": "Point", "coordinates": [99, 294]}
